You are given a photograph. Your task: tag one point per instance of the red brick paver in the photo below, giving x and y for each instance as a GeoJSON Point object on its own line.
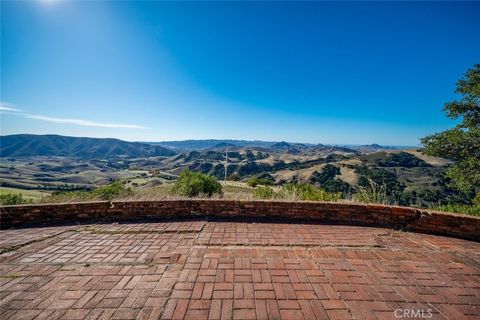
{"type": "Point", "coordinates": [234, 270]}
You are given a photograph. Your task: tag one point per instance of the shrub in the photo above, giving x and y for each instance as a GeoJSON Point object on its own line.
{"type": "Point", "coordinates": [263, 192]}
{"type": "Point", "coordinates": [373, 193]}
{"type": "Point", "coordinates": [476, 200]}
{"type": "Point", "coordinates": [338, 185]}
{"type": "Point", "coordinates": [12, 199]}
{"type": "Point", "coordinates": [459, 208]}
{"type": "Point", "coordinates": [192, 184]}
{"type": "Point", "coordinates": [234, 177]}
{"type": "Point", "coordinates": [296, 191]}
{"type": "Point", "coordinates": [253, 182]}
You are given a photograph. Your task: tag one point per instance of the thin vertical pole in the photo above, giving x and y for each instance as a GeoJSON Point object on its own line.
{"type": "Point", "coordinates": [226, 160]}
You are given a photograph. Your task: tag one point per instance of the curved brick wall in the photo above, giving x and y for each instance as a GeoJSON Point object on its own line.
{"type": "Point", "coordinates": [403, 218]}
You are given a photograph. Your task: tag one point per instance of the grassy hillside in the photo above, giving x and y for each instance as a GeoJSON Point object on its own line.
{"type": "Point", "coordinates": [26, 145]}
{"type": "Point", "coordinates": [407, 177]}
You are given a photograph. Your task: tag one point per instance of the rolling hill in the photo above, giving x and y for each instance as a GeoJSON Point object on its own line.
{"type": "Point", "coordinates": [189, 145]}
{"type": "Point", "coordinates": [25, 145]}
{"type": "Point", "coordinates": [49, 162]}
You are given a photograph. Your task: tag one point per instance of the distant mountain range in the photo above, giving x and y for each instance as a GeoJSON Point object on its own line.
{"type": "Point", "coordinates": [189, 145]}
{"type": "Point", "coordinates": [22, 145]}
{"type": "Point", "coordinates": [88, 148]}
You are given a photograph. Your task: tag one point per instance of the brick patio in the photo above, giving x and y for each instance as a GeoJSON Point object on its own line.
{"type": "Point", "coordinates": [234, 270]}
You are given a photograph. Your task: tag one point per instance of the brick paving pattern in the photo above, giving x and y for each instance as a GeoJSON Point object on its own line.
{"type": "Point", "coordinates": [235, 270]}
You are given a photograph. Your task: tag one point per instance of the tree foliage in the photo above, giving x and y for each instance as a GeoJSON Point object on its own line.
{"type": "Point", "coordinates": [402, 159]}
{"type": "Point", "coordinates": [327, 180]}
{"type": "Point", "coordinates": [380, 177]}
{"type": "Point", "coordinates": [461, 143]}
{"type": "Point", "coordinates": [192, 184]}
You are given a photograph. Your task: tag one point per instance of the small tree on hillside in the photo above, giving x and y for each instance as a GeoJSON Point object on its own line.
{"type": "Point", "coordinates": [192, 184]}
{"type": "Point", "coordinates": [461, 143]}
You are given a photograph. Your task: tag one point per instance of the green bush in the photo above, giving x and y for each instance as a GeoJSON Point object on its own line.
{"type": "Point", "coordinates": [13, 199]}
{"type": "Point", "coordinates": [263, 192]}
{"type": "Point", "coordinates": [296, 191]}
{"type": "Point", "coordinates": [234, 177]}
{"type": "Point", "coordinates": [459, 208]}
{"type": "Point", "coordinates": [476, 200]}
{"type": "Point", "coordinates": [192, 184]}
{"type": "Point", "coordinates": [253, 182]}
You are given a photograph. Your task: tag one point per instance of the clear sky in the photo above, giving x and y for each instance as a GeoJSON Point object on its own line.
{"type": "Point", "coordinates": [318, 72]}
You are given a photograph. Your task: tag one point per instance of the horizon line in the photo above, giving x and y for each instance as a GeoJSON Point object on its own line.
{"type": "Point", "coordinates": [217, 139]}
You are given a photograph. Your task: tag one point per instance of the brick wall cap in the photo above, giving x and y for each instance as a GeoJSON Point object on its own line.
{"type": "Point", "coordinates": [243, 202]}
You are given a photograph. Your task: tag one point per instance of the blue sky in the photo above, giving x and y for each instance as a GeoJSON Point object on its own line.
{"type": "Point", "coordinates": [318, 72]}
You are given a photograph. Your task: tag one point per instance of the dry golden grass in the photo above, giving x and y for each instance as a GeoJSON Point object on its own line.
{"type": "Point", "coordinates": [303, 175]}
{"type": "Point", "coordinates": [434, 161]}
{"type": "Point", "coordinates": [348, 175]}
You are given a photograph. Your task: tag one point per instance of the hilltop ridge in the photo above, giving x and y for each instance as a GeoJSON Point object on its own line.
{"type": "Point", "coordinates": [24, 145]}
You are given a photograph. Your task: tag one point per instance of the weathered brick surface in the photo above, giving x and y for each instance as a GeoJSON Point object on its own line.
{"type": "Point", "coordinates": [403, 218]}
{"type": "Point", "coordinates": [202, 269]}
